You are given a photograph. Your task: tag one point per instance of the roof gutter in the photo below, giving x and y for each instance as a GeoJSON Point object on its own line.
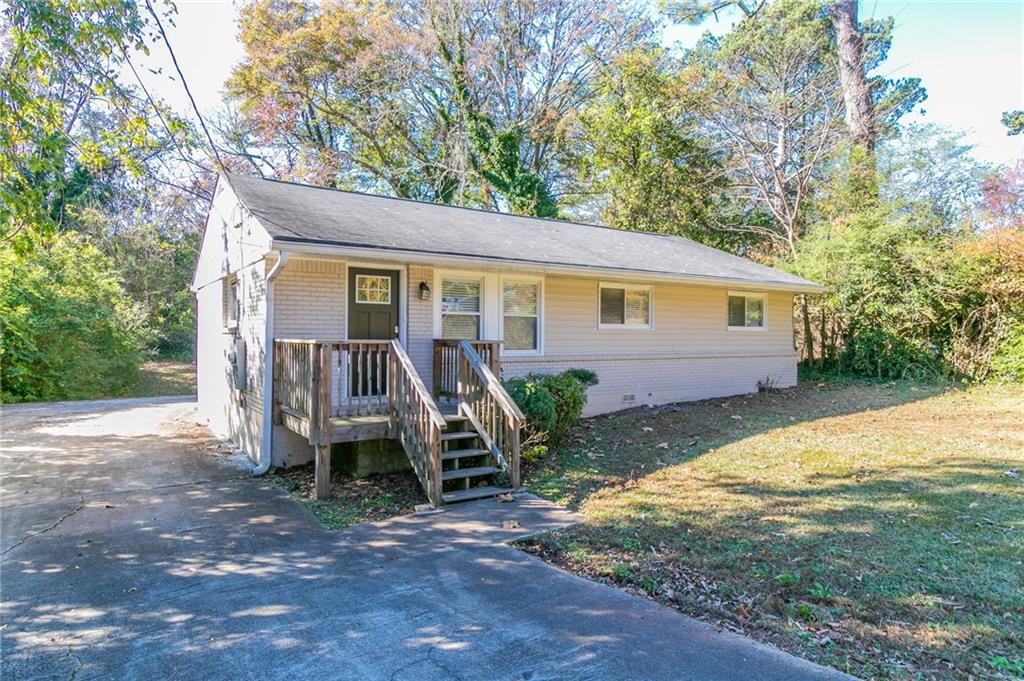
{"type": "Point", "coordinates": [455, 260]}
{"type": "Point", "coordinates": [268, 369]}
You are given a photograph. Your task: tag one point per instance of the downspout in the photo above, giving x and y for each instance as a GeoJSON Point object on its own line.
{"type": "Point", "coordinates": [268, 369]}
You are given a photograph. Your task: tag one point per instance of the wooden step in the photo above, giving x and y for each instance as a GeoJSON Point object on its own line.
{"type": "Point", "coordinates": [474, 493]}
{"type": "Point", "coordinates": [458, 435]}
{"type": "Point", "coordinates": [460, 453]}
{"type": "Point", "coordinates": [455, 418]}
{"type": "Point", "coordinates": [459, 473]}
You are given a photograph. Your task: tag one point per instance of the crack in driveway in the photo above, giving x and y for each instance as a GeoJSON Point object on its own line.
{"type": "Point", "coordinates": [76, 509]}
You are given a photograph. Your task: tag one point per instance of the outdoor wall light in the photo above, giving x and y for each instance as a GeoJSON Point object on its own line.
{"type": "Point", "coordinates": [424, 291]}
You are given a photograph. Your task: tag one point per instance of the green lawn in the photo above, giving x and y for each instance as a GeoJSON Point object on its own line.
{"type": "Point", "coordinates": [877, 528]}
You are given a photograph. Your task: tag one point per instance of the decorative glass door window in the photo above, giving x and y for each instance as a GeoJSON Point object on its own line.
{"type": "Point", "coordinates": [460, 309]}
{"type": "Point", "coordinates": [519, 309]}
{"type": "Point", "coordinates": [746, 312]}
{"type": "Point", "coordinates": [373, 290]}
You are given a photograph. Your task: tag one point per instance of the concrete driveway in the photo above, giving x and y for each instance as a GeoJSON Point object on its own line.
{"type": "Point", "coordinates": [132, 550]}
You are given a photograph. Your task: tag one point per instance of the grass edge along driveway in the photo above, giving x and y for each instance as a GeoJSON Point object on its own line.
{"type": "Point", "coordinates": [874, 527]}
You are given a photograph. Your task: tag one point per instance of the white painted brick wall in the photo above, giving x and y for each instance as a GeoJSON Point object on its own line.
{"type": "Point", "coordinates": [309, 300]}
{"type": "Point", "coordinates": [653, 379]}
{"type": "Point", "coordinates": [420, 316]}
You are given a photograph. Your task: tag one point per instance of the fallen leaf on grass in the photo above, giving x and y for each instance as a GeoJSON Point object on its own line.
{"type": "Point", "coordinates": [662, 445]}
{"type": "Point", "coordinates": [648, 429]}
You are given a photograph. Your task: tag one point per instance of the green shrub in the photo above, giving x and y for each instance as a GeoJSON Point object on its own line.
{"type": "Point", "coordinates": [570, 396]}
{"type": "Point", "coordinates": [69, 331]}
{"type": "Point", "coordinates": [552, 403]}
{"type": "Point", "coordinates": [1008, 361]}
{"type": "Point", "coordinates": [884, 355]}
{"type": "Point", "coordinates": [586, 377]}
{"type": "Point", "coordinates": [535, 401]}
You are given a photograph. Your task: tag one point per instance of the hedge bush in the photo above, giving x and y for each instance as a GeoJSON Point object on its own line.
{"type": "Point", "coordinates": [552, 403]}
{"type": "Point", "coordinates": [69, 331]}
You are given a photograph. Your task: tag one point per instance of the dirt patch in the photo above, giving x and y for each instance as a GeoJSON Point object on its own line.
{"type": "Point", "coordinates": [353, 500]}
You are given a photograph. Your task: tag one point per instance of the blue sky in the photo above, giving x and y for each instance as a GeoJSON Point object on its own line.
{"type": "Point", "coordinates": [970, 56]}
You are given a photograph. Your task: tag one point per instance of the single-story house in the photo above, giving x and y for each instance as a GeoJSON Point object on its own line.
{"type": "Point", "coordinates": [330, 316]}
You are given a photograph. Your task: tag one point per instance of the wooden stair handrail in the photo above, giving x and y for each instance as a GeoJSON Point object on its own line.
{"type": "Point", "coordinates": [490, 381]}
{"type": "Point", "coordinates": [403, 357]}
{"type": "Point", "coordinates": [494, 414]}
{"type": "Point", "coordinates": [415, 421]}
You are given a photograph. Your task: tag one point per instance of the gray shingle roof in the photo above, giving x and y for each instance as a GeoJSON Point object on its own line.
{"type": "Point", "coordinates": [306, 214]}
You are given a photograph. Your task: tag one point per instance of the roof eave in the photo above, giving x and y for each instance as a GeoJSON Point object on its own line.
{"type": "Point", "coordinates": [324, 248]}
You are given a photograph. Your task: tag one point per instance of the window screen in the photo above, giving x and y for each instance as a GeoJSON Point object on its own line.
{"type": "Point", "coordinates": [520, 323]}
{"type": "Point", "coordinates": [746, 311]}
{"type": "Point", "coordinates": [625, 306]}
{"type": "Point", "coordinates": [460, 309]}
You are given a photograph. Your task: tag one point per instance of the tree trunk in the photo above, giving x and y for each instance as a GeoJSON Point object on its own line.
{"type": "Point", "coordinates": [808, 334]}
{"type": "Point", "coordinates": [860, 110]}
{"type": "Point", "coordinates": [822, 339]}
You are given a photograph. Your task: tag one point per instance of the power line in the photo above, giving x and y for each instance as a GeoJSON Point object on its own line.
{"type": "Point", "coordinates": [159, 114]}
{"type": "Point", "coordinates": [174, 60]}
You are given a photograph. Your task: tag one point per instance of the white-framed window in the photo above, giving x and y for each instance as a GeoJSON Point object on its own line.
{"type": "Point", "coordinates": [373, 290]}
{"type": "Point", "coordinates": [460, 307]}
{"type": "Point", "coordinates": [624, 306]}
{"type": "Point", "coordinates": [231, 302]}
{"type": "Point", "coordinates": [521, 315]}
{"type": "Point", "coordinates": [746, 311]}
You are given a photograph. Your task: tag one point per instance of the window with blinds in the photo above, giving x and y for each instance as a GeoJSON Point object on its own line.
{"type": "Point", "coordinates": [745, 312]}
{"type": "Point", "coordinates": [460, 309]}
{"type": "Point", "coordinates": [628, 306]}
{"type": "Point", "coordinates": [520, 315]}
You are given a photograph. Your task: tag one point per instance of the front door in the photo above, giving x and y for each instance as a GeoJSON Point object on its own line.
{"type": "Point", "coordinates": [372, 315]}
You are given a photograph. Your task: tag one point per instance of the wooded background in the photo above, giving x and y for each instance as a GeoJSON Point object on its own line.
{"type": "Point", "coordinates": [779, 141]}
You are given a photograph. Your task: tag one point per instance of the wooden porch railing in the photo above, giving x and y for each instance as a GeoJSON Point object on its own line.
{"type": "Point", "coordinates": [490, 409]}
{"type": "Point", "coordinates": [416, 421]}
{"type": "Point", "coordinates": [316, 381]}
{"type": "Point", "coordinates": [355, 374]}
{"type": "Point", "coordinates": [446, 363]}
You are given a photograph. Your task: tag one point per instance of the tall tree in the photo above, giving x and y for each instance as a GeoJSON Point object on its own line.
{"type": "Point", "coordinates": [696, 11]}
{"type": "Point", "coordinates": [462, 102]}
{"type": "Point", "coordinates": [644, 155]}
{"type": "Point", "coordinates": [775, 110]}
{"type": "Point", "coordinates": [860, 110]}
{"type": "Point", "coordinates": [66, 117]}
